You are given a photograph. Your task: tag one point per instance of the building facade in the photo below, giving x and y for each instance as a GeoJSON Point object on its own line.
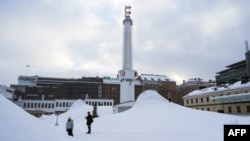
{"type": "Point", "coordinates": [46, 88]}
{"type": "Point", "coordinates": [160, 83]}
{"type": "Point", "coordinates": [189, 86]}
{"type": "Point", "coordinates": [239, 71]}
{"type": "Point", "coordinates": [229, 98]}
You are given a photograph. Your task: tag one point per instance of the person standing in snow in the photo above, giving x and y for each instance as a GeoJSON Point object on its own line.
{"type": "Point", "coordinates": [89, 119]}
{"type": "Point", "coordinates": [70, 126]}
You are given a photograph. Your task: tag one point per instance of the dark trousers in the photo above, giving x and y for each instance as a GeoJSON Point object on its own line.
{"type": "Point", "coordinates": [70, 132]}
{"type": "Point", "coordinates": [89, 128]}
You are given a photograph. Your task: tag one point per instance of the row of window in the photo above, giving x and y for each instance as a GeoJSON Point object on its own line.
{"type": "Point", "coordinates": [196, 100]}
{"type": "Point", "coordinates": [46, 105]}
{"type": "Point", "coordinates": [206, 98]}
{"type": "Point", "coordinates": [104, 103]}
{"type": "Point", "coordinates": [229, 109]}
{"type": "Point", "coordinates": [238, 109]}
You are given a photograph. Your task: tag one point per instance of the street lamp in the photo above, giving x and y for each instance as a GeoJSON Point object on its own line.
{"type": "Point", "coordinates": [57, 114]}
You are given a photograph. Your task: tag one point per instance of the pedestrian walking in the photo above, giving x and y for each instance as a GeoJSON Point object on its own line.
{"type": "Point", "coordinates": [89, 119]}
{"type": "Point", "coordinates": [70, 126]}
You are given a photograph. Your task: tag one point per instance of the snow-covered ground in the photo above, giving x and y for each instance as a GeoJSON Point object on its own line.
{"type": "Point", "coordinates": [152, 118]}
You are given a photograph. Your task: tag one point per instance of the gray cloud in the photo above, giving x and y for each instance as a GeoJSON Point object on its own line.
{"type": "Point", "coordinates": [180, 39]}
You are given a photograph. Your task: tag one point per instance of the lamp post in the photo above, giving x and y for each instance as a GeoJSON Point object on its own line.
{"type": "Point", "coordinates": [57, 113]}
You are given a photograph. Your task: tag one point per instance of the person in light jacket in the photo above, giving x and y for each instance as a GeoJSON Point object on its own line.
{"type": "Point", "coordinates": [70, 126]}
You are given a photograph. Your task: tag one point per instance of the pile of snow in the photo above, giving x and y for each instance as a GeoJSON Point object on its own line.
{"type": "Point", "coordinates": [18, 125]}
{"type": "Point", "coordinates": [151, 118]}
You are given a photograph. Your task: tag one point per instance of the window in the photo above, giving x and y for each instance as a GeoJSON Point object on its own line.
{"type": "Point", "coordinates": [229, 109]}
{"type": "Point", "coordinates": [191, 101]}
{"type": "Point", "coordinates": [196, 100]}
{"type": "Point", "coordinates": [207, 99]}
{"type": "Point", "coordinates": [248, 109]}
{"type": "Point", "coordinates": [208, 109]}
{"type": "Point", "coordinates": [202, 100]}
{"type": "Point", "coordinates": [187, 101]}
{"type": "Point", "coordinates": [238, 109]}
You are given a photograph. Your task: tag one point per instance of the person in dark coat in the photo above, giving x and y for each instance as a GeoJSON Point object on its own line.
{"type": "Point", "coordinates": [89, 119]}
{"type": "Point", "coordinates": [70, 126]}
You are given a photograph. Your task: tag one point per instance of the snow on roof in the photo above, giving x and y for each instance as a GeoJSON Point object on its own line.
{"type": "Point", "coordinates": [155, 77]}
{"type": "Point", "coordinates": [195, 80]}
{"type": "Point", "coordinates": [111, 81]}
{"type": "Point", "coordinates": [117, 81]}
{"type": "Point", "coordinates": [6, 91]}
{"type": "Point", "coordinates": [225, 87]}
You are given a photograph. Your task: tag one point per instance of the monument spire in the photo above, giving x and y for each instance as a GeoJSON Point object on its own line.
{"type": "Point", "coordinates": [127, 75]}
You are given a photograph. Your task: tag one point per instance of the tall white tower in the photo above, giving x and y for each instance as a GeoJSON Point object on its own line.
{"type": "Point", "coordinates": [127, 75]}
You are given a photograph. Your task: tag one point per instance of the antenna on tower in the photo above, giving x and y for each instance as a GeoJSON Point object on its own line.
{"type": "Point", "coordinates": [246, 44]}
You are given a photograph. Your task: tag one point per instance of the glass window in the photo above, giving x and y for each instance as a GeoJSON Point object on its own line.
{"type": "Point", "coordinates": [229, 109]}
{"type": "Point", "coordinates": [248, 108]}
{"type": "Point", "coordinates": [238, 109]}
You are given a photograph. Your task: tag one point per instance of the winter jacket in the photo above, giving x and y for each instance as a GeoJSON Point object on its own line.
{"type": "Point", "coordinates": [70, 124]}
{"type": "Point", "coordinates": [89, 119]}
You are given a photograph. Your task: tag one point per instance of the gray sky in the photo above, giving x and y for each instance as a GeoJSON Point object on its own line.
{"type": "Point", "coordinates": [73, 38]}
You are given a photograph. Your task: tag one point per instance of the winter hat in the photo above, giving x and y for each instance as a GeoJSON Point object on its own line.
{"type": "Point", "coordinates": [69, 117]}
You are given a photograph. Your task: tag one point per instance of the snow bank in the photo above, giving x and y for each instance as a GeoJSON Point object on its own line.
{"type": "Point", "coordinates": [152, 118]}
{"type": "Point", "coordinates": [18, 125]}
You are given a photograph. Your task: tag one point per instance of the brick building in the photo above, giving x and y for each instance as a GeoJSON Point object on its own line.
{"type": "Point", "coordinates": [47, 88]}
{"type": "Point", "coordinates": [189, 86]}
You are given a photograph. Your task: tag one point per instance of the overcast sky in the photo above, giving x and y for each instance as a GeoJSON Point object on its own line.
{"type": "Point", "coordinates": [73, 38]}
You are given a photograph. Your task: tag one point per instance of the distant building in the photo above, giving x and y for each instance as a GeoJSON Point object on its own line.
{"type": "Point", "coordinates": [235, 72]}
{"type": "Point", "coordinates": [189, 86]}
{"type": "Point", "coordinates": [47, 88]}
{"type": "Point", "coordinates": [45, 95]}
{"type": "Point", "coordinates": [6, 92]}
{"type": "Point", "coordinates": [160, 83]}
{"type": "Point", "coordinates": [231, 93]}
{"type": "Point", "coordinates": [229, 98]}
